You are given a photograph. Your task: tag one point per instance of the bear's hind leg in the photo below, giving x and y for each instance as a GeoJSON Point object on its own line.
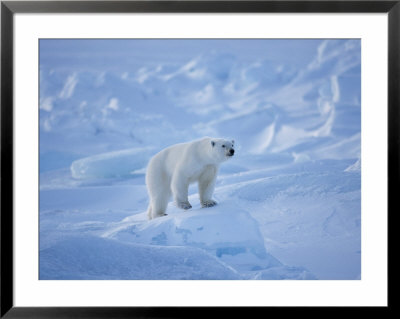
{"type": "Point", "coordinates": [159, 206]}
{"type": "Point", "coordinates": [149, 215]}
{"type": "Point", "coordinates": [158, 186]}
{"type": "Point", "coordinates": [180, 189]}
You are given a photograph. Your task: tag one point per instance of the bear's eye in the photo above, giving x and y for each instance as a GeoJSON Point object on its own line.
{"type": "Point", "coordinates": [223, 145]}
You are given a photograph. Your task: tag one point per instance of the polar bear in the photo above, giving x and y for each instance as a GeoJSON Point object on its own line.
{"type": "Point", "coordinates": [172, 170]}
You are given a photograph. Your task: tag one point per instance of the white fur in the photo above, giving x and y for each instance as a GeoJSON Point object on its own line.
{"type": "Point", "coordinates": [170, 172]}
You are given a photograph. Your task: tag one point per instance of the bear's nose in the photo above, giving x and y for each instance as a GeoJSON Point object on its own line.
{"type": "Point", "coordinates": [231, 151]}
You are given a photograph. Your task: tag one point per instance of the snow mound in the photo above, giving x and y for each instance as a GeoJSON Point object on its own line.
{"type": "Point", "coordinates": [99, 258]}
{"type": "Point", "coordinates": [226, 231]}
{"type": "Point", "coordinates": [112, 164]}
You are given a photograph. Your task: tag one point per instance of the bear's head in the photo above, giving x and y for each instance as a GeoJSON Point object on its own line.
{"type": "Point", "coordinates": [222, 149]}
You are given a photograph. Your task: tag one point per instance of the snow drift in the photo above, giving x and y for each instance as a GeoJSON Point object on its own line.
{"type": "Point", "coordinates": [113, 164]}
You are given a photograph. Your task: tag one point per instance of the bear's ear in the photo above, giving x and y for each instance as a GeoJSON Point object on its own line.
{"type": "Point", "coordinates": [212, 143]}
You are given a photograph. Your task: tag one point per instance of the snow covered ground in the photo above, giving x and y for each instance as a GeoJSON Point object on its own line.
{"type": "Point", "coordinates": [289, 200]}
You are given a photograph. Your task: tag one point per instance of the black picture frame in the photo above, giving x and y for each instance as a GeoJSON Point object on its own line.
{"type": "Point", "coordinates": [9, 8]}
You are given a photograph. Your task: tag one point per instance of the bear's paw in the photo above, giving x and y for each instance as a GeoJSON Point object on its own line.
{"type": "Point", "coordinates": [208, 203]}
{"type": "Point", "coordinates": [184, 205]}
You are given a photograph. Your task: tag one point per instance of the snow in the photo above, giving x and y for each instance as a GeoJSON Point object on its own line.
{"type": "Point", "coordinates": [98, 258]}
{"type": "Point", "coordinates": [289, 201]}
{"type": "Point", "coordinates": [226, 232]}
{"type": "Point", "coordinates": [112, 164]}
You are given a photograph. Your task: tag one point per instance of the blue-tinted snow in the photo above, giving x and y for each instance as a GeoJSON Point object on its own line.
{"type": "Point", "coordinates": [289, 201]}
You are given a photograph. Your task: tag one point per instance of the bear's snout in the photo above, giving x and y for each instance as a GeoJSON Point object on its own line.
{"type": "Point", "coordinates": [231, 152]}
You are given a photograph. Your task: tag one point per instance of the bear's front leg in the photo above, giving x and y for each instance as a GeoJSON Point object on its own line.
{"type": "Point", "coordinates": [180, 187]}
{"type": "Point", "coordinates": [206, 187]}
